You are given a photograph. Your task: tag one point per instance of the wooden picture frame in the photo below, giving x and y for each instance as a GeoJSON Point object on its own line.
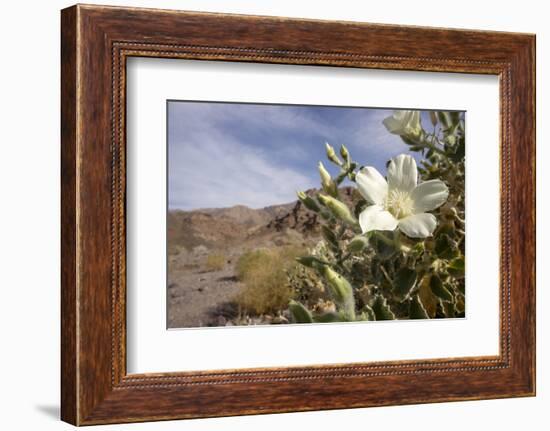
{"type": "Point", "coordinates": [95, 43]}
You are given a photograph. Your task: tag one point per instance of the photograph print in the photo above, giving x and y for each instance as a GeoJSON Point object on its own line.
{"type": "Point", "coordinates": [297, 214]}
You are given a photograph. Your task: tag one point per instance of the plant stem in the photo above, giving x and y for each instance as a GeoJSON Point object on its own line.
{"type": "Point", "coordinates": [384, 238]}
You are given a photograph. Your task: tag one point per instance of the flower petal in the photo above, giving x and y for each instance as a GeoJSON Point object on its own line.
{"type": "Point", "coordinates": [372, 185]}
{"type": "Point", "coordinates": [418, 225]}
{"type": "Point", "coordinates": [402, 173]}
{"type": "Point", "coordinates": [394, 124]}
{"type": "Point", "coordinates": [414, 119]}
{"type": "Point", "coordinates": [374, 217]}
{"type": "Point", "coordinates": [429, 195]}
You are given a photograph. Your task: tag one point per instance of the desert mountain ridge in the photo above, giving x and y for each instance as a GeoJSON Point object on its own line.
{"type": "Point", "coordinates": [219, 228]}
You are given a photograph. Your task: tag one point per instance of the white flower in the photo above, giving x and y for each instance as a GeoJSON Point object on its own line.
{"type": "Point", "coordinates": [399, 202]}
{"type": "Point", "coordinates": [406, 123]}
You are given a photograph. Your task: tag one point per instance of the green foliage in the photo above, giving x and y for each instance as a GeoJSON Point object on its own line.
{"type": "Point", "coordinates": [341, 291]}
{"type": "Point", "coordinates": [357, 244]}
{"type": "Point", "coordinates": [439, 289]}
{"type": "Point", "coordinates": [456, 267]}
{"type": "Point", "coordinates": [416, 309]}
{"type": "Point", "coordinates": [382, 310]}
{"type": "Point", "coordinates": [404, 281]}
{"type": "Point", "coordinates": [339, 210]}
{"type": "Point", "coordinates": [384, 275]}
{"type": "Point", "coordinates": [299, 313]}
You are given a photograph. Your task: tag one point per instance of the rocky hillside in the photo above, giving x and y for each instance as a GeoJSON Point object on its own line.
{"type": "Point", "coordinates": [220, 228]}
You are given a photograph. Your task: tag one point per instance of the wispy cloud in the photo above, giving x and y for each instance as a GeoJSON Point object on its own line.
{"type": "Point", "coordinates": [222, 154]}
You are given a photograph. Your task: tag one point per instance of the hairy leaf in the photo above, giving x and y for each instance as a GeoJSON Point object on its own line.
{"type": "Point", "coordinates": [445, 247]}
{"type": "Point", "coordinates": [416, 309]}
{"type": "Point", "coordinates": [299, 312]}
{"type": "Point", "coordinates": [381, 309]}
{"type": "Point", "coordinates": [439, 289]}
{"type": "Point", "coordinates": [404, 281]}
{"type": "Point", "coordinates": [328, 317]}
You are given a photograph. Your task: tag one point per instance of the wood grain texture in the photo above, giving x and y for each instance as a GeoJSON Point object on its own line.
{"type": "Point", "coordinates": [96, 41]}
{"type": "Point", "coordinates": [69, 331]}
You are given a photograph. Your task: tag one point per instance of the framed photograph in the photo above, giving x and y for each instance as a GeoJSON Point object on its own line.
{"type": "Point", "coordinates": [323, 214]}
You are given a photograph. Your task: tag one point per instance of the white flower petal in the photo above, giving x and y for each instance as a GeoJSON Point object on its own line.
{"type": "Point", "coordinates": [394, 125]}
{"type": "Point", "coordinates": [418, 225]}
{"type": "Point", "coordinates": [403, 122]}
{"type": "Point", "coordinates": [429, 195]}
{"type": "Point", "coordinates": [372, 185]}
{"type": "Point", "coordinates": [414, 119]}
{"type": "Point", "coordinates": [402, 173]}
{"type": "Point", "coordinates": [375, 217]}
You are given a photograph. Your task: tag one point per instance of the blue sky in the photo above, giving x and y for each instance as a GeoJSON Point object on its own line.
{"type": "Point", "coordinates": [225, 154]}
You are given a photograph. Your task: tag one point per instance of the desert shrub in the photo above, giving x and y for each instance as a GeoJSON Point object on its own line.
{"type": "Point", "coordinates": [406, 262]}
{"type": "Point", "coordinates": [215, 261]}
{"type": "Point", "coordinates": [263, 273]}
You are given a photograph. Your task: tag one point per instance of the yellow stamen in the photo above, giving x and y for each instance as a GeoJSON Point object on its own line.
{"type": "Point", "coordinates": [399, 204]}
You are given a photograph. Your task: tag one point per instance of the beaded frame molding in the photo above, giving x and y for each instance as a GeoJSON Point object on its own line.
{"type": "Point", "coordinates": [95, 43]}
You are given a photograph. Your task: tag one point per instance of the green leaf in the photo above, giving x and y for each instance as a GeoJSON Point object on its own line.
{"type": "Point", "coordinates": [369, 313]}
{"type": "Point", "coordinates": [416, 309]}
{"type": "Point", "coordinates": [460, 150]}
{"type": "Point", "coordinates": [300, 314]}
{"type": "Point", "coordinates": [445, 247]}
{"type": "Point", "coordinates": [461, 286]}
{"type": "Point", "coordinates": [448, 309]}
{"type": "Point", "coordinates": [404, 281]}
{"type": "Point", "coordinates": [381, 309]}
{"type": "Point", "coordinates": [439, 290]}
{"type": "Point", "coordinates": [456, 267]}
{"type": "Point", "coordinates": [328, 317]}
{"type": "Point", "coordinates": [427, 298]}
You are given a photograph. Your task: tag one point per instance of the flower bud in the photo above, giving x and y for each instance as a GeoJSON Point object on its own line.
{"type": "Point", "coordinates": [344, 153]}
{"type": "Point", "coordinates": [341, 290]}
{"type": "Point", "coordinates": [338, 209]}
{"type": "Point", "coordinates": [332, 155]}
{"type": "Point", "coordinates": [308, 202]}
{"type": "Point", "coordinates": [358, 244]}
{"type": "Point", "coordinates": [329, 186]}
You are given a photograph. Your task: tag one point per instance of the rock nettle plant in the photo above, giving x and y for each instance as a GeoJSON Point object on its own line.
{"type": "Point", "coordinates": [396, 251]}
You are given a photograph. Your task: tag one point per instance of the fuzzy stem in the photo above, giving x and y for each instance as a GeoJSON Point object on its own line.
{"type": "Point", "coordinates": [398, 244]}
